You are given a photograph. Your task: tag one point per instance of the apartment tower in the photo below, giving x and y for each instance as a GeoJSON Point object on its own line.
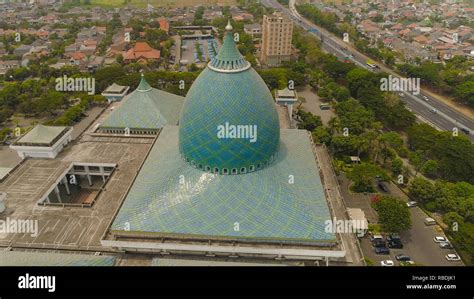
{"type": "Point", "coordinates": [277, 31]}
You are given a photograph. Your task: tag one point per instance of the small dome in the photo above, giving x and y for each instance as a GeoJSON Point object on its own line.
{"type": "Point", "coordinates": [229, 123]}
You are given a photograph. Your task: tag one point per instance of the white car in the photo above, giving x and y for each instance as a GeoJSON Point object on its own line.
{"type": "Point", "coordinates": [374, 237]}
{"type": "Point", "coordinates": [445, 245]}
{"type": "Point", "coordinates": [426, 98]}
{"type": "Point", "coordinates": [387, 263]}
{"type": "Point", "coordinates": [412, 204]}
{"type": "Point", "coordinates": [433, 110]}
{"type": "Point", "coordinates": [453, 257]}
{"type": "Point", "coordinates": [439, 239]}
{"type": "Point", "coordinates": [401, 94]}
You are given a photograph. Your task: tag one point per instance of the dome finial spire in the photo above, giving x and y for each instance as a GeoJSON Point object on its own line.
{"type": "Point", "coordinates": [229, 26]}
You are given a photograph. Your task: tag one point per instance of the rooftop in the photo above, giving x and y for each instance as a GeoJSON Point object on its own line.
{"type": "Point", "coordinates": [115, 88]}
{"type": "Point", "coordinates": [29, 258]}
{"type": "Point", "coordinates": [286, 93]}
{"type": "Point", "coordinates": [265, 205]}
{"type": "Point", "coordinates": [146, 108]}
{"type": "Point", "coordinates": [42, 135]}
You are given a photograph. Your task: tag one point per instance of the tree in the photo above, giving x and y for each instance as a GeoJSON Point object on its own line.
{"type": "Point", "coordinates": [309, 121]}
{"type": "Point", "coordinates": [397, 166]}
{"type": "Point", "coordinates": [418, 159]}
{"type": "Point", "coordinates": [363, 175]}
{"type": "Point", "coordinates": [453, 219]}
{"type": "Point", "coordinates": [465, 92]}
{"type": "Point", "coordinates": [393, 213]}
{"type": "Point", "coordinates": [354, 116]}
{"type": "Point", "coordinates": [430, 168]}
{"type": "Point", "coordinates": [422, 190]}
{"type": "Point", "coordinates": [322, 135]}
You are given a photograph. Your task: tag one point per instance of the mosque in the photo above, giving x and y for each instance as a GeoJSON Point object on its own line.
{"type": "Point", "coordinates": [223, 178]}
{"type": "Point", "coordinates": [215, 175]}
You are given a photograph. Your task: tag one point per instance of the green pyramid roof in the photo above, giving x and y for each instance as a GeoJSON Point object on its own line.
{"type": "Point", "coordinates": [143, 86]}
{"type": "Point", "coordinates": [229, 58]}
{"type": "Point", "coordinates": [146, 108]}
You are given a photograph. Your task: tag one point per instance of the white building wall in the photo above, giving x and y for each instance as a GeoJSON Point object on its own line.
{"type": "Point", "coordinates": [43, 151]}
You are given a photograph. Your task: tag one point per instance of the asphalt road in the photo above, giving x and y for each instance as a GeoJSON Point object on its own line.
{"type": "Point", "coordinates": [428, 110]}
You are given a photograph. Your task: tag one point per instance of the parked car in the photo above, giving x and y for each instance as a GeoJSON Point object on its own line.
{"type": "Point", "coordinates": [412, 204]}
{"type": "Point", "coordinates": [425, 98]}
{"type": "Point", "coordinates": [379, 243]}
{"type": "Point", "coordinates": [445, 245]}
{"type": "Point", "coordinates": [440, 239]}
{"type": "Point", "coordinates": [453, 257]}
{"type": "Point", "coordinates": [383, 186]}
{"type": "Point", "coordinates": [402, 257]}
{"type": "Point", "coordinates": [382, 250]}
{"type": "Point", "coordinates": [394, 241]}
{"type": "Point", "coordinates": [374, 237]}
{"type": "Point", "coordinates": [429, 221]}
{"type": "Point", "coordinates": [387, 263]}
{"type": "Point", "coordinates": [466, 131]}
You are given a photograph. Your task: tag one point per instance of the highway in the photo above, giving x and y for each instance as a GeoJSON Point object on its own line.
{"type": "Point", "coordinates": [425, 107]}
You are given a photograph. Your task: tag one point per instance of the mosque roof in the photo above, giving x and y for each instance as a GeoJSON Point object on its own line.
{"type": "Point", "coordinates": [26, 258]}
{"type": "Point", "coordinates": [146, 108]}
{"type": "Point", "coordinates": [229, 58]}
{"type": "Point", "coordinates": [229, 96]}
{"type": "Point", "coordinates": [170, 198]}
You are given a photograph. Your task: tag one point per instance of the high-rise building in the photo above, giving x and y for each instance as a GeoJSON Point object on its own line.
{"type": "Point", "coordinates": [277, 31]}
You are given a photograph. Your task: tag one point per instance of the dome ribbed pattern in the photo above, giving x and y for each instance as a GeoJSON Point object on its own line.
{"type": "Point", "coordinates": [218, 99]}
{"type": "Point", "coordinates": [229, 57]}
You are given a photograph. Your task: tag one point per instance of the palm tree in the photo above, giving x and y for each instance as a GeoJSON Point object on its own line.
{"type": "Point", "coordinates": [301, 100]}
{"type": "Point", "coordinates": [334, 125]}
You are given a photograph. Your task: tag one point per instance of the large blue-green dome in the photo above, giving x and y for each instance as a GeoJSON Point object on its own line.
{"type": "Point", "coordinates": [229, 123]}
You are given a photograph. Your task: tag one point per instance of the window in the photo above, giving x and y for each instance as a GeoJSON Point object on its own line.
{"type": "Point", "coordinates": [234, 170]}
{"type": "Point", "coordinates": [243, 170]}
{"type": "Point", "coordinates": [216, 170]}
{"type": "Point", "coordinates": [251, 168]}
{"type": "Point", "coordinates": [225, 171]}
{"type": "Point", "coordinates": [94, 168]}
{"type": "Point", "coordinates": [78, 168]}
{"type": "Point", "coordinates": [200, 166]}
{"type": "Point", "coordinates": [208, 168]}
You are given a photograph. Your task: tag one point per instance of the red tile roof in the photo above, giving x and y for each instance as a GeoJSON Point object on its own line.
{"type": "Point", "coordinates": [142, 50]}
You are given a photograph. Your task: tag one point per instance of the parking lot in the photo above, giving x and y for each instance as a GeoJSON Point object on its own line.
{"type": "Point", "coordinates": [417, 242]}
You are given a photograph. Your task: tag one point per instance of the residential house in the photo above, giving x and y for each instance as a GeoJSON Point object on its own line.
{"type": "Point", "coordinates": [7, 65]}
{"type": "Point", "coordinates": [142, 53]}
{"type": "Point", "coordinates": [21, 50]}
